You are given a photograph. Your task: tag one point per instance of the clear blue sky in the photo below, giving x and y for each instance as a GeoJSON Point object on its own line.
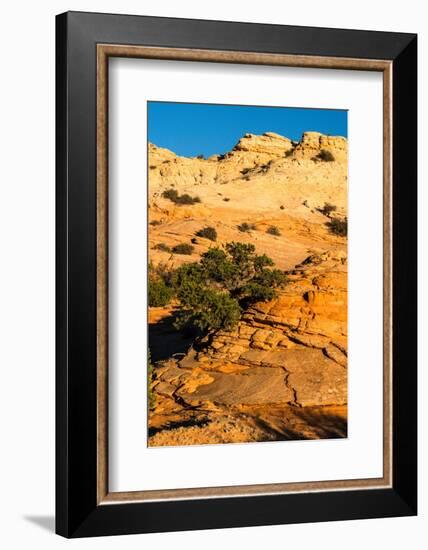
{"type": "Point", "coordinates": [191, 129]}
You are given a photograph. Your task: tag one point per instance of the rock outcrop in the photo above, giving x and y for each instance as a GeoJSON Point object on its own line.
{"type": "Point", "coordinates": [252, 156]}
{"type": "Point", "coordinates": [313, 143]}
{"type": "Point", "coordinates": [266, 180]}
{"type": "Point", "coordinates": [290, 351]}
{"type": "Point", "coordinates": [269, 143]}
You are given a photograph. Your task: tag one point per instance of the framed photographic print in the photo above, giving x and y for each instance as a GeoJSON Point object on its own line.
{"type": "Point", "coordinates": [236, 274]}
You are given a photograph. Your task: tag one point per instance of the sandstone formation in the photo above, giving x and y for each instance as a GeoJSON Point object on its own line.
{"type": "Point", "coordinates": [282, 372]}
{"type": "Point", "coordinates": [290, 352]}
{"type": "Point", "coordinates": [267, 180]}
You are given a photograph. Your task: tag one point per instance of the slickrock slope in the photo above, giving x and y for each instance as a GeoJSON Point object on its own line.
{"type": "Point", "coordinates": [282, 373]}
{"type": "Point", "coordinates": [266, 180]}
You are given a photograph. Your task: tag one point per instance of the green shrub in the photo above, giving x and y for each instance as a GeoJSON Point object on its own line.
{"type": "Point", "coordinates": [183, 248]}
{"type": "Point", "coordinates": [246, 227]}
{"type": "Point", "coordinates": [328, 208]}
{"type": "Point", "coordinates": [207, 233]}
{"type": "Point", "coordinates": [256, 292]}
{"type": "Point", "coordinates": [226, 199]}
{"type": "Point", "coordinates": [325, 155]}
{"type": "Point", "coordinates": [173, 196]}
{"type": "Point", "coordinates": [262, 261]}
{"type": "Point", "coordinates": [243, 256]}
{"type": "Point", "coordinates": [159, 293]}
{"type": "Point", "coordinates": [201, 157]}
{"type": "Point", "coordinates": [282, 207]}
{"type": "Point", "coordinates": [187, 199]}
{"type": "Point", "coordinates": [270, 278]}
{"type": "Point", "coordinates": [265, 167]}
{"type": "Point", "coordinates": [273, 230]}
{"type": "Point", "coordinates": [161, 271]}
{"type": "Point", "coordinates": [213, 291]}
{"type": "Point", "coordinates": [189, 274]}
{"type": "Point", "coordinates": [207, 309]}
{"type": "Point", "coordinates": [338, 227]}
{"type": "Point", "coordinates": [245, 171]}
{"type": "Point", "coordinates": [162, 246]}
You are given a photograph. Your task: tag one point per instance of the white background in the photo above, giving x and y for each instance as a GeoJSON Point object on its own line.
{"type": "Point", "coordinates": [133, 466]}
{"type": "Point", "coordinates": [27, 275]}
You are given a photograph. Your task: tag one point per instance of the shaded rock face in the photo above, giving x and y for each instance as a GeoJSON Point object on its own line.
{"type": "Point", "coordinates": [289, 351]}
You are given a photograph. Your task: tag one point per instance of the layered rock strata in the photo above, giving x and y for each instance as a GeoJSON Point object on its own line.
{"type": "Point", "coordinates": [290, 351]}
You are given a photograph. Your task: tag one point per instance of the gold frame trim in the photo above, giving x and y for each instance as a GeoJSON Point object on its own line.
{"type": "Point", "coordinates": [104, 51]}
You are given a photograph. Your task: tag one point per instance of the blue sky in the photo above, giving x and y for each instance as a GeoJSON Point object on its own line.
{"type": "Point", "coordinates": [191, 129]}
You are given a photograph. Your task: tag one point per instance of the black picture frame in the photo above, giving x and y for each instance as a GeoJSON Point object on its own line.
{"type": "Point", "coordinates": [77, 512]}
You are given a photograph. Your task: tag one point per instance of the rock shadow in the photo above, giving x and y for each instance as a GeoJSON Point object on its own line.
{"type": "Point", "coordinates": [324, 425]}
{"type": "Point", "coordinates": [187, 423]}
{"type": "Point", "coordinates": [165, 340]}
{"type": "Point", "coordinates": [303, 424]}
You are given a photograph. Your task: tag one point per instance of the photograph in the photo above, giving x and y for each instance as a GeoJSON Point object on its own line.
{"type": "Point", "coordinates": [247, 273]}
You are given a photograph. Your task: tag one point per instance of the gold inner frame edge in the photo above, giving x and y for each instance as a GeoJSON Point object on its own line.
{"type": "Point", "coordinates": [104, 51]}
